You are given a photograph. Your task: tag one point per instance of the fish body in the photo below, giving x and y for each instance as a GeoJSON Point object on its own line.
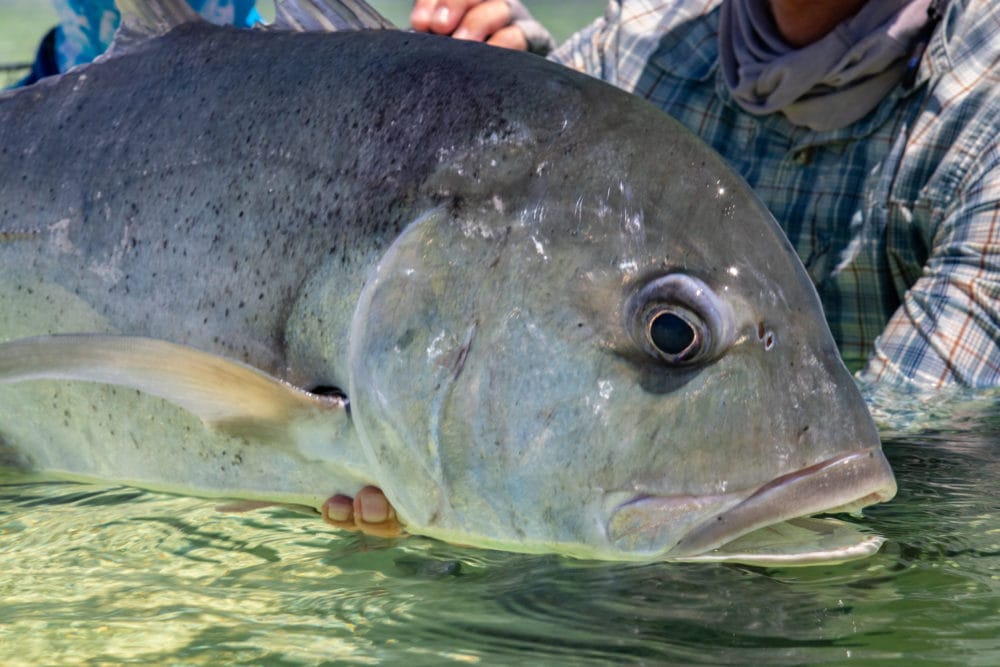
{"type": "Point", "coordinates": [561, 323]}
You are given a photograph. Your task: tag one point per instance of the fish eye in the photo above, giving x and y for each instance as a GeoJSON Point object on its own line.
{"type": "Point", "coordinates": [671, 333]}
{"type": "Point", "coordinates": [679, 320]}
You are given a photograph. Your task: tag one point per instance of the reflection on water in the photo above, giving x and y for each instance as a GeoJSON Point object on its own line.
{"type": "Point", "coordinates": [110, 574]}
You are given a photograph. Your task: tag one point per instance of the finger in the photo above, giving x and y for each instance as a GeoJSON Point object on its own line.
{"type": "Point", "coordinates": [339, 511]}
{"type": "Point", "coordinates": [420, 15]}
{"type": "Point", "coordinates": [374, 515]}
{"type": "Point", "coordinates": [509, 37]}
{"type": "Point", "coordinates": [440, 16]}
{"type": "Point", "coordinates": [483, 20]}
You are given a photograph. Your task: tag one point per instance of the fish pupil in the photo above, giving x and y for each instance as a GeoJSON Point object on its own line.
{"type": "Point", "coordinates": [671, 333]}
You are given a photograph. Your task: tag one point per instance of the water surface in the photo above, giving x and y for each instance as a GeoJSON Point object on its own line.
{"type": "Point", "coordinates": [110, 574]}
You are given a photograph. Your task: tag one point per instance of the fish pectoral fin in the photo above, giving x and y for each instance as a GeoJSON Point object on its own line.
{"type": "Point", "coordinates": [225, 394]}
{"type": "Point", "coordinates": [327, 16]}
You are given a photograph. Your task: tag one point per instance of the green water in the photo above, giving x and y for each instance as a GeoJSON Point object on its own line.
{"type": "Point", "coordinates": [103, 575]}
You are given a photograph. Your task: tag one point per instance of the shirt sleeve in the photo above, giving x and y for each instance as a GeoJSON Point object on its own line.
{"type": "Point", "coordinates": [947, 329]}
{"type": "Point", "coordinates": [585, 50]}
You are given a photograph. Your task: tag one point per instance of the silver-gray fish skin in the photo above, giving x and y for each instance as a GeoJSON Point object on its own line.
{"type": "Point", "coordinates": [460, 238]}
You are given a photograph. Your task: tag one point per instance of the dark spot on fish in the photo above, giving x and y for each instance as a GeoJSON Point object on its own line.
{"type": "Point", "coordinates": [463, 354]}
{"type": "Point", "coordinates": [404, 341]}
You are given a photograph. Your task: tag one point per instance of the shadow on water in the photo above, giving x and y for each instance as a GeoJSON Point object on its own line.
{"type": "Point", "coordinates": [113, 574]}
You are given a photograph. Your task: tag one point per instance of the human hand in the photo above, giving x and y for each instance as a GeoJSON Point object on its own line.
{"type": "Point", "coordinates": [369, 512]}
{"type": "Point", "coordinates": [503, 23]}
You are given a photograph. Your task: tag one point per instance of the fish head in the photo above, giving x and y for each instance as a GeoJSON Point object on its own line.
{"type": "Point", "coordinates": [621, 357]}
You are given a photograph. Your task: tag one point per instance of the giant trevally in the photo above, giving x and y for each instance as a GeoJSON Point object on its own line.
{"type": "Point", "coordinates": [535, 311]}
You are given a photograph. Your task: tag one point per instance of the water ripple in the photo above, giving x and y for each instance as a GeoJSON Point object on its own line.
{"type": "Point", "coordinates": [112, 575]}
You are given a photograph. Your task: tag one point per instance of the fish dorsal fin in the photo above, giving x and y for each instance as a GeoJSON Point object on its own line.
{"type": "Point", "coordinates": [225, 394]}
{"type": "Point", "coordinates": [144, 19]}
{"type": "Point", "coordinates": [327, 16]}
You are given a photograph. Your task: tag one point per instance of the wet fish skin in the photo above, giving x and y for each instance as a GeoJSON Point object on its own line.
{"type": "Point", "coordinates": [392, 215]}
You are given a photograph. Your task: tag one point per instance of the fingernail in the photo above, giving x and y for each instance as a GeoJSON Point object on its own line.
{"type": "Point", "coordinates": [374, 508]}
{"type": "Point", "coordinates": [339, 508]}
{"type": "Point", "coordinates": [461, 33]}
{"type": "Point", "coordinates": [441, 15]}
{"type": "Point", "coordinates": [421, 16]}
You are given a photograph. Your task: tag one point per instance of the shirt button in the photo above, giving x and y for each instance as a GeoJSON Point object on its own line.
{"type": "Point", "coordinates": [803, 156]}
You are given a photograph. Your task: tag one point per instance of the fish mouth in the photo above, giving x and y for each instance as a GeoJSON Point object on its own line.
{"type": "Point", "coordinates": [844, 483]}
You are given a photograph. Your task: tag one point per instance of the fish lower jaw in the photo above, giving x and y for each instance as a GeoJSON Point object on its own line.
{"type": "Point", "coordinates": [843, 484]}
{"type": "Point", "coordinates": [856, 506]}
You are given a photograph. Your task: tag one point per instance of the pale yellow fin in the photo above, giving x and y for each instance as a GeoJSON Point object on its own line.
{"type": "Point", "coordinates": [224, 393]}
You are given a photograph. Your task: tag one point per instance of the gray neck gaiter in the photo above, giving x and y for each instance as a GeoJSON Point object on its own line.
{"type": "Point", "coordinates": [825, 85]}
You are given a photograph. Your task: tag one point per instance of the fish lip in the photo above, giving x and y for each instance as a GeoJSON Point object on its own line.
{"type": "Point", "coordinates": [846, 482]}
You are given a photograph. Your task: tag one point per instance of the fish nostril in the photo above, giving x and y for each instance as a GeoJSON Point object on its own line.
{"type": "Point", "coordinates": [328, 390]}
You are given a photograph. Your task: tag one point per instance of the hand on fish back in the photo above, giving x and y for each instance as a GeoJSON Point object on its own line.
{"type": "Point", "coordinates": [560, 322]}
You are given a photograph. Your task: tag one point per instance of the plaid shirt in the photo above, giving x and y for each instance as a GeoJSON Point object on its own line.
{"type": "Point", "coordinates": [895, 216]}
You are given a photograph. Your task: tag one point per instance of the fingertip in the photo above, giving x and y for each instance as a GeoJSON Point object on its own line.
{"type": "Point", "coordinates": [483, 21]}
{"type": "Point", "coordinates": [371, 506]}
{"type": "Point", "coordinates": [443, 20]}
{"type": "Point", "coordinates": [420, 20]}
{"type": "Point", "coordinates": [420, 15]}
{"type": "Point", "coordinates": [338, 510]}
{"type": "Point", "coordinates": [509, 37]}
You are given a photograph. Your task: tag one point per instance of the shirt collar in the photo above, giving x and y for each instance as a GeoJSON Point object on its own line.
{"type": "Point", "coordinates": [689, 51]}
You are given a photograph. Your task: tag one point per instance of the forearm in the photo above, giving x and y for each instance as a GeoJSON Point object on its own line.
{"type": "Point", "coordinates": [585, 50]}
{"type": "Point", "coordinates": [947, 330]}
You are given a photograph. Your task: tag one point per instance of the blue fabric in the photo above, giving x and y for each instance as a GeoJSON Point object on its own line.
{"type": "Point", "coordinates": [86, 27]}
{"type": "Point", "coordinates": [45, 61]}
